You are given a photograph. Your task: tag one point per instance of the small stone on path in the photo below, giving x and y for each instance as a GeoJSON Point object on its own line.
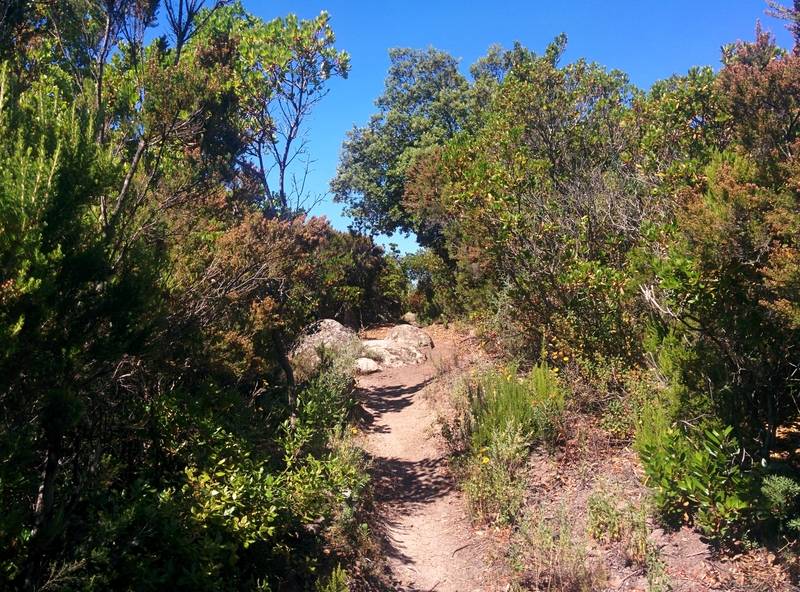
{"type": "Point", "coordinates": [367, 366]}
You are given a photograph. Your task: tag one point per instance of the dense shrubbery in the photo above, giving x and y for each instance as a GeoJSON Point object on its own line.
{"type": "Point", "coordinates": [153, 273]}
{"type": "Point", "coordinates": [638, 233]}
{"type": "Point", "coordinates": [157, 263]}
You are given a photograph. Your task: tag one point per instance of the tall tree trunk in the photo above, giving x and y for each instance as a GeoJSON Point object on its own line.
{"type": "Point", "coordinates": [47, 488]}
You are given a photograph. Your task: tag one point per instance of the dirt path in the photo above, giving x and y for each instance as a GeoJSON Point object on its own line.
{"type": "Point", "coordinates": [427, 537]}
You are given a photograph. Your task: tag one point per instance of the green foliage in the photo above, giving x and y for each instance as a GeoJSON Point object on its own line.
{"type": "Point", "coordinates": [336, 582]}
{"type": "Point", "coordinates": [432, 295]}
{"type": "Point", "coordinates": [278, 71]}
{"type": "Point", "coordinates": [618, 420]}
{"type": "Point", "coordinates": [780, 497]}
{"type": "Point", "coordinates": [646, 231]}
{"type": "Point", "coordinates": [424, 102]}
{"type": "Point", "coordinates": [610, 522]}
{"type": "Point", "coordinates": [503, 416]}
{"type": "Point", "coordinates": [532, 405]}
{"type": "Point", "coordinates": [605, 521]}
{"type": "Point", "coordinates": [494, 477]}
{"type": "Point", "coordinates": [359, 284]}
{"type": "Point", "coordinates": [521, 210]}
{"type": "Point", "coordinates": [151, 433]}
{"type": "Point", "coordinates": [697, 478]}
{"type": "Point", "coordinates": [718, 329]}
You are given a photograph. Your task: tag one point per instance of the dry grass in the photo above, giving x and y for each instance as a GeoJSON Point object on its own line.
{"type": "Point", "coordinates": [549, 555]}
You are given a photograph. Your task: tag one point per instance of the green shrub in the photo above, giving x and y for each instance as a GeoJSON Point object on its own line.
{"type": "Point", "coordinates": [503, 415]}
{"type": "Point", "coordinates": [534, 405]}
{"type": "Point", "coordinates": [335, 582]}
{"type": "Point", "coordinates": [494, 481]}
{"type": "Point", "coordinates": [626, 394]}
{"type": "Point", "coordinates": [605, 520]}
{"type": "Point", "coordinates": [697, 478]}
{"type": "Point", "coordinates": [618, 419]}
{"type": "Point", "coordinates": [780, 496]}
{"type": "Point", "coordinates": [432, 295]}
{"type": "Point", "coordinates": [325, 473]}
{"type": "Point", "coordinates": [324, 402]}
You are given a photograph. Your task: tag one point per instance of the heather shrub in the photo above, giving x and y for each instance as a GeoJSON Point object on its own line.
{"type": "Point", "coordinates": [502, 416]}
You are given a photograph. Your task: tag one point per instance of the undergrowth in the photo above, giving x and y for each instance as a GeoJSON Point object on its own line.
{"type": "Point", "coordinates": [548, 555]}
{"type": "Point", "coordinates": [501, 415]}
{"type": "Point", "coordinates": [610, 521]}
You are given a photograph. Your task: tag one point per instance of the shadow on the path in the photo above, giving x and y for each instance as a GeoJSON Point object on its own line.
{"type": "Point", "coordinates": [378, 401]}
{"type": "Point", "coordinates": [400, 486]}
{"type": "Point", "coordinates": [404, 484]}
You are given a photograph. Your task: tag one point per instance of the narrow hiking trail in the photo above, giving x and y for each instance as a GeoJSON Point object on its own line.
{"type": "Point", "coordinates": [421, 520]}
{"type": "Point", "coordinates": [427, 538]}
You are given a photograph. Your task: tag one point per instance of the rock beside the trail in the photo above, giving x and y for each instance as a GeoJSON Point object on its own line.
{"type": "Point", "coordinates": [393, 354]}
{"type": "Point", "coordinates": [404, 345]}
{"type": "Point", "coordinates": [367, 366]}
{"type": "Point", "coordinates": [410, 318]}
{"type": "Point", "coordinates": [328, 334]}
{"type": "Point", "coordinates": [410, 335]}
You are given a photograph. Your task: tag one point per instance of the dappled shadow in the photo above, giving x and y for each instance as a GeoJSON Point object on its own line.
{"type": "Point", "coordinates": [404, 484]}
{"type": "Point", "coordinates": [401, 487]}
{"type": "Point", "coordinates": [383, 525]}
{"type": "Point", "coordinates": [375, 402]}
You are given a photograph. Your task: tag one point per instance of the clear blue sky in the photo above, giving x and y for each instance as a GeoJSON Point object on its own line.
{"type": "Point", "coordinates": [648, 40]}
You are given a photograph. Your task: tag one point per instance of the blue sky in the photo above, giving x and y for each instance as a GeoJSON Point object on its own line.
{"type": "Point", "coordinates": [648, 40]}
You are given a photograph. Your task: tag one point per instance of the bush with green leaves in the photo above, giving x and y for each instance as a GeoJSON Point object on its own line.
{"type": "Point", "coordinates": [780, 496]}
{"type": "Point", "coordinates": [335, 582]}
{"type": "Point", "coordinates": [652, 230]}
{"type": "Point", "coordinates": [650, 233]}
{"type": "Point", "coordinates": [697, 477]}
{"type": "Point", "coordinates": [153, 270]}
{"type": "Point", "coordinates": [431, 295]}
{"type": "Point", "coordinates": [493, 477]}
{"type": "Point", "coordinates": [533, 405]}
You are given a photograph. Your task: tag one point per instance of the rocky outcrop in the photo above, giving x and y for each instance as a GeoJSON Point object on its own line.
{"type": "Point", "coordinates": [326, 334]}
{"type": "Point", "coordinates": [403, 345]}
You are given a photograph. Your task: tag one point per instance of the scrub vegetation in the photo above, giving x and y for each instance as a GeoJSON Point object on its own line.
{"type": "Point", "coordinates": [631, 257]}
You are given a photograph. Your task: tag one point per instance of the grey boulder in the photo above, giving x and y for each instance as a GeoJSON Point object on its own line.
{"type": "Point", "coordinates": [328, 335]}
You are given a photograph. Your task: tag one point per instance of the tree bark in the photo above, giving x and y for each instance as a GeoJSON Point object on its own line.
{"type": "Point", "coordinates": [286, 366]}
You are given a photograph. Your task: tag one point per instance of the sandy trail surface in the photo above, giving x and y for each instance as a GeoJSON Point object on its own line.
{"type": "Point", "coordinates": [427, 537]}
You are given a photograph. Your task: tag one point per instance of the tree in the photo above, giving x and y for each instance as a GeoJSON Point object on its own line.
{"type": "Point", "coordinates": [539, 203]}
{"type": "Point", "coordinates": [792, 15]}
{"type": "Point", "coordinates": [146, 299]}
{"type": "Point", "coordinates": [281, 72]}
{"type": "Point", "coordinates": [425, 102]}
